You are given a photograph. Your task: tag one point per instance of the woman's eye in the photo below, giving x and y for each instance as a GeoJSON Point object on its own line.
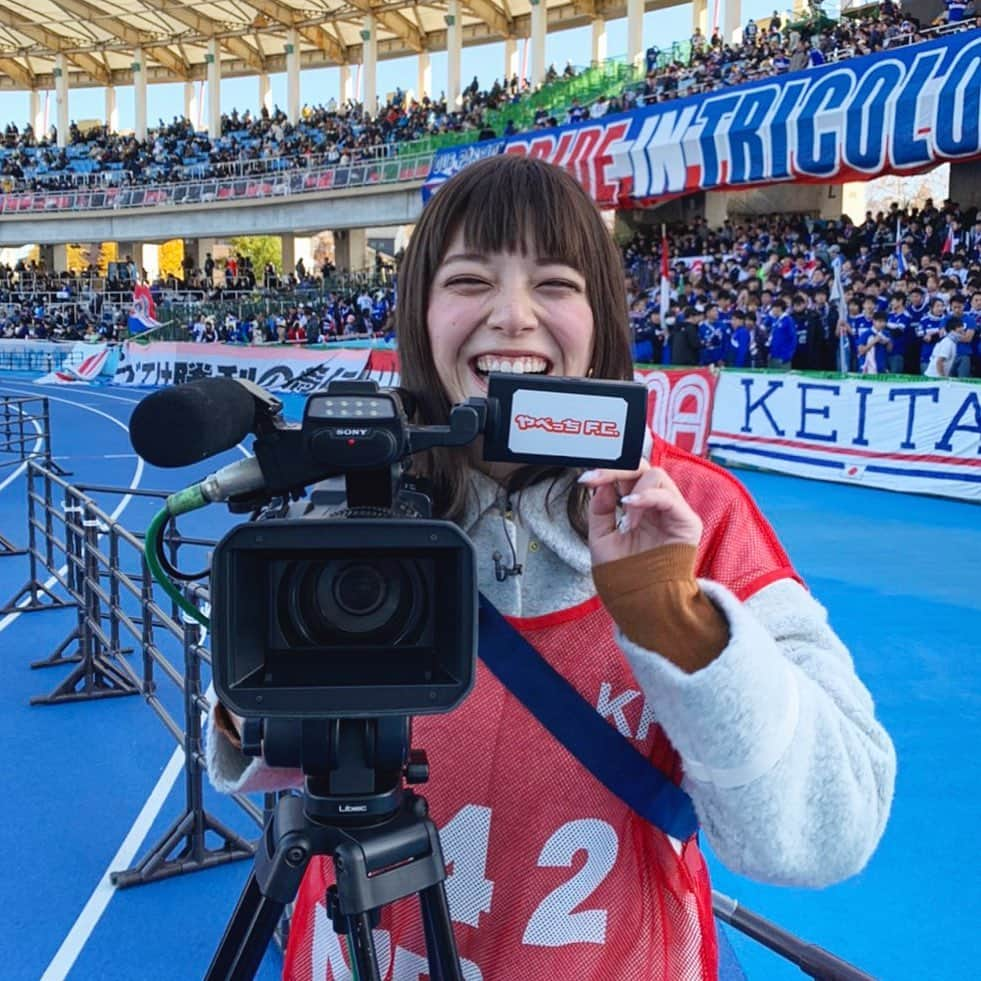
{"type": "Point", "coordinates": [466, 281]}
{"type": "Point", "coordinates": [563, 284]}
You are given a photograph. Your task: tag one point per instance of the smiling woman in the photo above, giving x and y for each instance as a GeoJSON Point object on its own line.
{"type": "Point", "coordinates": [500, 312]}
{"type": "Point", "coordinates": [517, 270]}
{"type": "Point", "coordinates": [665, 582]}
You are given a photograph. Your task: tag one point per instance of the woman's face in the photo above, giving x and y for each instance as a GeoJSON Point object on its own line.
{"type": "Point", "coordinates": [503, 311]}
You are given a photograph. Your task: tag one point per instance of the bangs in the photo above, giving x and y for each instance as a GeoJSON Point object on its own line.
{"type": "Point", "coordinates": [528, 210]}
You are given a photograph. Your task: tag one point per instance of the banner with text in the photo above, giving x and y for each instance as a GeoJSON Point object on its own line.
{"type": "Point", "coordinates": [680, 404]}
{"type": "Point", "coordinates": [275, 367]}
{"type": "Point", "coordinates": [896, 112]}
{"type": "Point", "coordinates": [921, 436]}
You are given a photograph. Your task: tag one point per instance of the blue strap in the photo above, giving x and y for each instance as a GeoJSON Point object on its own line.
{"type": "Point", "coordinates": [600, 748]}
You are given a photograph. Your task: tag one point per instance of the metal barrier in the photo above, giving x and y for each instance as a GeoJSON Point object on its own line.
{"type": "Point", "coordinates": [282, 184]}
{"type": "Point", "coordinates": [101, 569]}
{"type": "Point", "coordinates": [25, 434]}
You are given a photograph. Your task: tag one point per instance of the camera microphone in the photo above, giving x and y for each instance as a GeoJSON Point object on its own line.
{"type": "Point", "coordinates": [185, 424]}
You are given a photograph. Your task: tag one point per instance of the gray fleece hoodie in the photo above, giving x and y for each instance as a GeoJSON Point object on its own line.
{"type": "Point", "coordinates": [791, 775]}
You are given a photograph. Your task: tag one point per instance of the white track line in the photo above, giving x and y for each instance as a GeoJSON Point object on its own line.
{"type": "Point", "coordinates": [88, 919]}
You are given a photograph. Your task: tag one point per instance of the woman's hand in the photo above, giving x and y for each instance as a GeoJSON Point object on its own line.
{"type": "Point", "coordinates": [654, 513]}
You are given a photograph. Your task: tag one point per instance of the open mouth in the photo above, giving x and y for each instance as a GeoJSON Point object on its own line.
{"type": "Point", "coordinates": [527, 364]}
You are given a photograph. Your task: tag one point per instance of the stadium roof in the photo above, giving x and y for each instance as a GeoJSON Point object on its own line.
{"type": "Point", "coordinates": [97, 37]}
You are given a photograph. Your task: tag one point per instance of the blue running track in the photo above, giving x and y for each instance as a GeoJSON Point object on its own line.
{"type": "Point", "coordinates": [90, 786]}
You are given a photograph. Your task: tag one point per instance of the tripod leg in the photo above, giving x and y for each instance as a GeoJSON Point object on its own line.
{"type": "Point", "coordinates": [247, 935]}
{"type": "Point", "coordinates": [356, 929]}
{"type": "Point", "coordinates": [444, 963]}
{"type": "Point", "coordinates": [361, 947]}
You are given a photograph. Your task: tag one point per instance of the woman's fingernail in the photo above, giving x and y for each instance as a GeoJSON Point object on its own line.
{"type": "Point", "coordinates": [588, 476]}
{"type": "Point", "coordinates": [624, 525]}
{"type": "Point", "coordinates": [630, 499]}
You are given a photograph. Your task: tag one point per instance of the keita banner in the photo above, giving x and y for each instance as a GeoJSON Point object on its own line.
{"type": "Point", "coordinates": [896, 112]}
{"type": "Point", "coordinates": [921, 436]}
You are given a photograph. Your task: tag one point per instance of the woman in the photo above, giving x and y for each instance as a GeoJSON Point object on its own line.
{"type": "Point", "coordinates": [732, 684]}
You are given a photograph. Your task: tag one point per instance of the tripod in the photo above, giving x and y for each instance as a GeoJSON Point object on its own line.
{"type": "Point", "coordinates": [384, 847]}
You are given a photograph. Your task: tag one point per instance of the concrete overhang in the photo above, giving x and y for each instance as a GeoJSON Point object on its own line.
{"type": "Point", "coordinates": [298, 214]}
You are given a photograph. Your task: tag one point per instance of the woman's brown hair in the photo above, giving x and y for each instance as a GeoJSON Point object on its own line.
{"type": "Point", "coordinates": [507, 203]}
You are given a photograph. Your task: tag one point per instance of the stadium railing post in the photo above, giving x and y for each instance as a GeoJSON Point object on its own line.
{"type": "Point", "coordinates": [99, 673]}
{"type": "Point", "coordinates": [184, 847]}
{"type": "Point", "coordinates": [36, 595]}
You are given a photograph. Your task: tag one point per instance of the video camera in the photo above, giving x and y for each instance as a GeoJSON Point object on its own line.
{"type": "Point", "coordinates": [376, 614]}
{"type": "Point", "coordinates": [330, 632]}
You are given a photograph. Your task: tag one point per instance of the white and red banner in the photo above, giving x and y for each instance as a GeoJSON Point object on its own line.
{"type": "Point", "coordinates": [276, 367]}
{"type": "Point", "coordinates": [919, 436]}
{"type": "Point", "coordinates": [85, 364]}
{"type": "Point", "coordinates": [680, 404]}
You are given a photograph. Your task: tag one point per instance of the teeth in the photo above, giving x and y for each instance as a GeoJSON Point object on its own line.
{"type": "Point", "coordinates": [516, 366]}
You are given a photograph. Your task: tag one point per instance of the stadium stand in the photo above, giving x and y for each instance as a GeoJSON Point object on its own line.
{"type": "Point", "coordinates": [332, 135]}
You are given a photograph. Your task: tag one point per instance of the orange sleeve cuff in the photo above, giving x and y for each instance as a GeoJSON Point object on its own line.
{"type": "Point", "coordinates": [657, 603]}
{"type": "Point", "coordinates": [223, 722]}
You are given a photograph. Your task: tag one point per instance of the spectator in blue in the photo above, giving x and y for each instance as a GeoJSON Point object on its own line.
{"type": "Point", "coordinates": [964, 338]}
{"type": "Point", "coordinates": [781, 64]}
{"type": "Point", "coordinates": [918, 306]}
{"type": "Point", "coordinates": [711, 337]}
{"type": "Point", "coordinates": [783, 337]}
{"type": "Point", "coordinates": [975, 312]}
{"type": "Point", "coordinates": [874, 345]}
{"type": "Point", "coordinates": [826, 317]}
{"type": "Point", "coordinates": [955, 13]}
{"type": "Point", "coordinates": [930, 330]}
{"type": "Point", "coordinates": [804, 327]}
{"type": "Point", "coordinates": [898, 328]}
{"type": "Point", "coordinates": [737, 349]}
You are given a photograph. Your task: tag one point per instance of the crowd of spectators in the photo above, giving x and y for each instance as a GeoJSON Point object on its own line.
{"type": "Point", "coordinates": [336, 315]}
{"type": "Point", "coordinates": [792, 292]}
{"type": "Point", "coordinates": [777, 291]}
{"type": "Point", "coordinates": [774, 47]}
{"type": "Point", "coordinates": [343, 134]}
{"type": "Point", "coordinates": [298, 305]}
{"type": "Point", "coordinates": [325, 135]}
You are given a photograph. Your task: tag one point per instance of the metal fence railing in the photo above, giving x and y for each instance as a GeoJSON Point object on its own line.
{"type": "Point", "coordinates": [81, 557]}
{"type": "Point", "coordinates": [278, 185]}
{"type": "Point", "coordinates": [25, 434]}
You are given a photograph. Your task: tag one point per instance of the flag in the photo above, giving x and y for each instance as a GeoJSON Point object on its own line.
{"type": "Point", "coordinates": [869, 364]}
{"type": "Point", "coordinates": [665, 276]}
{"type": "Point", "coordinates": [143, 316]}
{"type": "Point", "coordinates": [838, 296]}
{"type": "Point", "coordinates": [900, 259]}
{"type": "Point", "coordinates": [950, 243]}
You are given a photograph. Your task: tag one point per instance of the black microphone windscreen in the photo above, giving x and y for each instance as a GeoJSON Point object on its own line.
{"type": "Point", "coordinates": [185, 424]}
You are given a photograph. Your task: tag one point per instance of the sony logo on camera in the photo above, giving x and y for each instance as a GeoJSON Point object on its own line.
{"type": "Point", "coordinates": [351, 432]}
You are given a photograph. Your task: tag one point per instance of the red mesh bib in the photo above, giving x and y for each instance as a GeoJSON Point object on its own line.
{"type": "Point", "coordinates": [551, 875]}
{"type": "Point", "coordinates": [739, 548]}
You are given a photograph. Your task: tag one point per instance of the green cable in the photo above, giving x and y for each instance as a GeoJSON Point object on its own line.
{"type": "Point", "coordinates": [350, 953]}
{"type": "Point", "coordinates": [176, 504]}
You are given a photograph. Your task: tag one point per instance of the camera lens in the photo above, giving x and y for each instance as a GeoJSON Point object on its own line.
{"type": "Point", "coordinates": [344, 601]}
{"type": "Point", "coordinates": [359, 590]}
